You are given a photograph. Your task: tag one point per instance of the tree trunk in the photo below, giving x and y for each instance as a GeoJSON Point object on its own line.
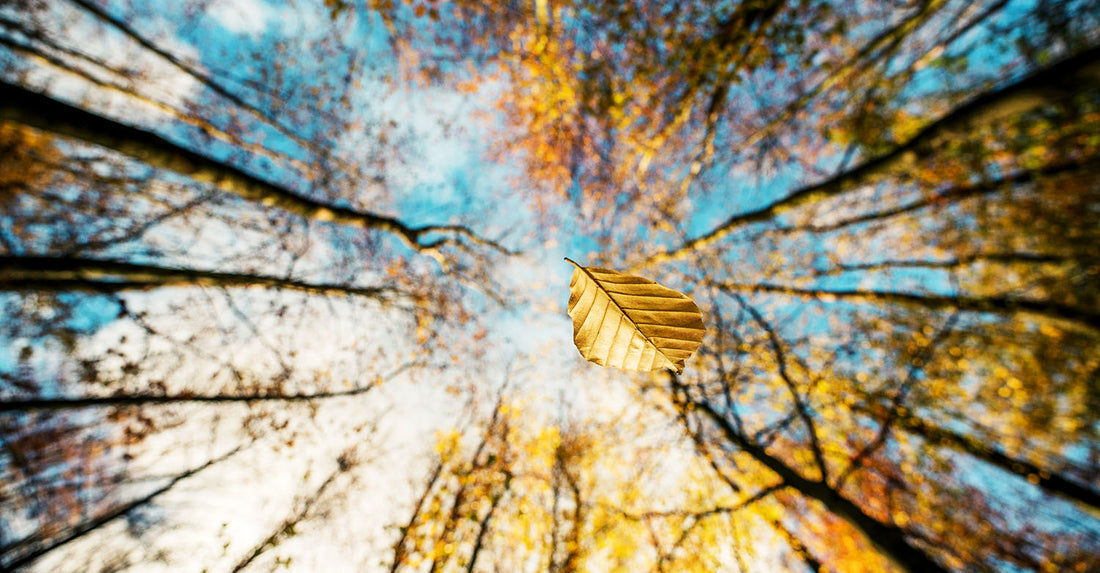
{"type": "Point", "coordinates": [1049, 480]}
{"type": "Point", "coordinates": [993, 304]}
{"type": "Point", "coordinates": [90, 526]}
{"type": "Point", "coordinates": [1073, 75]}
{"type": "Point", "coordinates": [144, 400]}
{"type": "Point", "coordinates": [887, 538]}
{"type": "Point", "coordinates": [24, 106]}
{"type": "Point", "coordinates": [73, 274]}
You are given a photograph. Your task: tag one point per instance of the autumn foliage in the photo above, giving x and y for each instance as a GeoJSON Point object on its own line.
{"type": "Point", "coordinates": [280, 285]}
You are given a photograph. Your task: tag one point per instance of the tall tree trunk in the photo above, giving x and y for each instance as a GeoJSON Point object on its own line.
{"type": "Point", "coordinates": [90, 526]}
{"type": "Point", "coordinates": [31, 404]}
{"type": "Point", "coordinates": [30, 108]}
{"type": "Point", "coordinates": [993, 304]}
{"type": "Point", "coordinates": [74, 273]}
{"type": "Point", "coordinates": [1073, 75]}
{"type": "Point", "coordinates": [1049, 480]}
{"type": "Point", "coordinates": [886, 538]}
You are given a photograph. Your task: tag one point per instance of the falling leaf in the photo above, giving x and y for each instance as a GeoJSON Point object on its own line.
{"type": "Point", "coordinates": [630, 322]}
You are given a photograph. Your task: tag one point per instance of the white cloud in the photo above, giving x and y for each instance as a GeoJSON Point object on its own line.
{"type": "Point", "coordinates": [248, 17]}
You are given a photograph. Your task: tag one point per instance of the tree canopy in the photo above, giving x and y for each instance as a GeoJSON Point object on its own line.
{"type": "Point", "coordinates": [281, 285]}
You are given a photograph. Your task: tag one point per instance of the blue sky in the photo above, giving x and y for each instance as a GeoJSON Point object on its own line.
{"type": "Point", "coordinates": [438, 173]}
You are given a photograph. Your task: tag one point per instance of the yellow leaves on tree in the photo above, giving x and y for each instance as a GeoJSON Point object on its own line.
{"type": "Point", "coordinates": [29, 160]}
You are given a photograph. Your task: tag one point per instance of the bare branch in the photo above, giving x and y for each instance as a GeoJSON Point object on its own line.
{"type": "Point", "coordinates": [190, 70]}
{"type": "Point", "coordinates": [123, 510]}
{"type": "Point", "coordinates": [1057, 82]}
{"type": "Point", "coordinates": [800, 405]}
{"type": "Point", "coordinates": [143, 400]}
{"type": "Point", "coordinates": [81, 274]}
{"type": "Point", "coordinates": [991, 304]}
{"type": "Point", "coordinates": [897, 402]}
{"type": "Point", "coordinates": [797, 546]}
{"type": "Point", "coordinates": [1045, 478]}
{"type": "Point", "coordinates": [887, 538]}
{"type": "Point", "coordinates": [952, 194]}
{"type": "Point", "coordinates": [42, 112]}
{"type": "Point", "coordinates": [722, 510]}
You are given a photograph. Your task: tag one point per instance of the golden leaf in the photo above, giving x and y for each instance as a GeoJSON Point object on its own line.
{"type": "Point", "coordinates": [630, 322]}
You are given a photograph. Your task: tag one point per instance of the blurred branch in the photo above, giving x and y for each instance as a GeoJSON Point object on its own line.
{"type": "Point", "coordinates": [1049, 480]}
{"type": "Point", "coordinates": [874, 51]}
{"type": "Point", "coordinates": [800, 405]}
{"type": "Point", "coordinates": [399, 547]}
{"type": "Point", "coordinates": [797, 546]}
{"type": "Point", "coordinates": [207, 128]}
{"type": "Point", "coordinates": [990, 304]}
{"type": "Point", "coordinates": [142, 400]}
{"type": "Point", "coordinates": [886, 537]}
{"type": "Point", "coordinates": [682, 513]}
{"type": "Point", "coordinates": [344, 463]}
{"type": "Point", "coordinates": [483, 525]}
{"type": "Point", "coordinates": [80, 274]}
{"type": "Point", "coordinates": [190, 70]}
{"type": "Point", "coordinates": [90, 526]}
{"type": "Point", "coordinates": [1073, 75]}
{"type": "Point", "coordinates": [137, 230]}
{"type": "Point", "coordinates": [37, 110]}
{"type": "Point", "coordinates": [897, 401]}
{"type": "Point", "coordinates": [948, 264]}
{"type": "Point", "coordinates": [947, 196]}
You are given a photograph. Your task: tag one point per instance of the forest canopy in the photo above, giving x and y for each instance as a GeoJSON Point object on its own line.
{"type": "Point", "coordinates": [281, 285]}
